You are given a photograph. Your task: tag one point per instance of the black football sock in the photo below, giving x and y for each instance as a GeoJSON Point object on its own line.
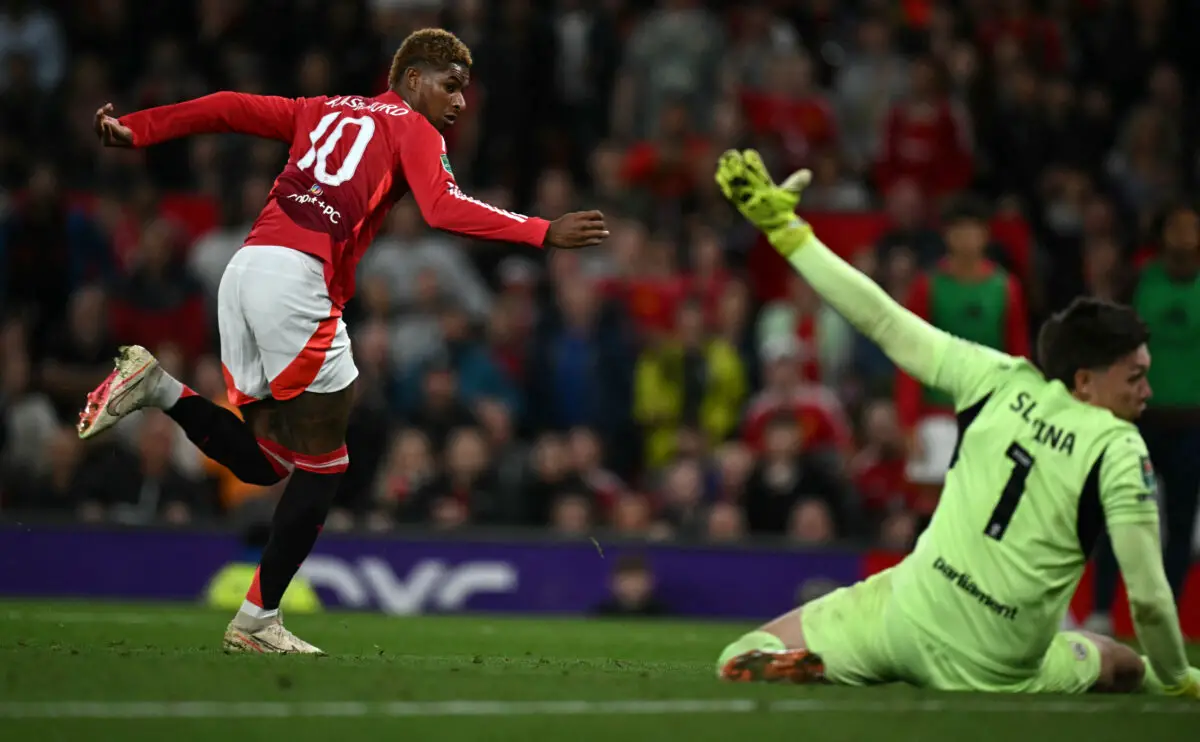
{"type": "Point", "coordinates": [223, 437]}
{"type": "Point", "coordinates": [297, 522]}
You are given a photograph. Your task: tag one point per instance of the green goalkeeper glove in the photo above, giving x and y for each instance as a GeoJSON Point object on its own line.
{"type": "Point", "coordinates": [745, 182]}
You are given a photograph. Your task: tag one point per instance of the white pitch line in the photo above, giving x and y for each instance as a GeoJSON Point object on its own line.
{"type": "Point", "coordinates": [410, 709]}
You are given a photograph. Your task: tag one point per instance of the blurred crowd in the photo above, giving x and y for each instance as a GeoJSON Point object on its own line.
{"type": "Point", "coordinates": [984, 160]}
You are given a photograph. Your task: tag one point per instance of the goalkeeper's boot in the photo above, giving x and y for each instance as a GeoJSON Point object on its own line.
{"type": "Point", "coordinates": [264, 636]}
{"type": "Point", "coordinates": [770, 666]}
{"type": "Point", "coordinates": [127, 389]}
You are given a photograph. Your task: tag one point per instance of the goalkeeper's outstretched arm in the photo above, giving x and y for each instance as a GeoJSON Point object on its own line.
{"type": "Point", "coordinates": [920, 349]}
{"type": "Point", "coordinates": [932, 356]}
{"type": "Point", "coordinates": [912, 343]}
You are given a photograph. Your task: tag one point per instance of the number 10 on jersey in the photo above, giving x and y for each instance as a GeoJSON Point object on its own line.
{"type": "Point", "coordinates": [320, 155]}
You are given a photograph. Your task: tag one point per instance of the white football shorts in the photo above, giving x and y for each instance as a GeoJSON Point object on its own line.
{"type": "Point", "coordinates": [281, 335]}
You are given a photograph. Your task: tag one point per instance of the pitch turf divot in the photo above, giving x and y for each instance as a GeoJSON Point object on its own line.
{"type": "Point", "coordinates": [354, 709]}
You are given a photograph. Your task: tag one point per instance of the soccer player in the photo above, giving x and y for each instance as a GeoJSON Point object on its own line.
{"type": "Point", "coordinates": [1046, 458]}
{"type": "Point", "coordinates": [284, 346]}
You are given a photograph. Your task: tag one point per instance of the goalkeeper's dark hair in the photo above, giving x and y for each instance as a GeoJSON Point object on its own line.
{"type": "Point", "coordinates": [1090, 334]}
{"type": "Point", "coordinates": [429, 48]}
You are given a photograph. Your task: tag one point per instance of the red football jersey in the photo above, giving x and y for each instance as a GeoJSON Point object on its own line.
{"type": "Point", "coordinates": [351, 158]}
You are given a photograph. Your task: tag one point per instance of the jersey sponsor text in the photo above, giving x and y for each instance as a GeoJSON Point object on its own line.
{"type": "Point", "coordinates": [964, 582]}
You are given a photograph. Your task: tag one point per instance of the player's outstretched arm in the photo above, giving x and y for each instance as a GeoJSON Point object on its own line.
{"type": "Point", "coordinates": [1127, 493]}
{"type": "Point", "coordinates": [444, 205]}
{"type": "Point", "coordinates": [267, 116]}
{"type": "Point", "coordinates": [930, 355]}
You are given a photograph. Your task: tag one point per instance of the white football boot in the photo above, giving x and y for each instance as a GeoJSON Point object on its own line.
{"type": "Point", "coordinates": [130, 387]}
{"type": "Point", "coordinates": [264, 636]}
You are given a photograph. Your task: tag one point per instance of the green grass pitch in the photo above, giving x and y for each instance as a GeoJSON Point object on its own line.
{"type": "Point", "coordinates": [86, 671]}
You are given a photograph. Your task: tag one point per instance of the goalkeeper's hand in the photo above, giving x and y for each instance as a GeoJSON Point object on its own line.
{"type": "Point", "coordinates": [745, 182]}
{"type": "Point", "coordinates": [1188, 689]}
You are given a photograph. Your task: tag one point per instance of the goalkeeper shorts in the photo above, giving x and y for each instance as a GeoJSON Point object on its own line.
{"type": "Point", "coordinates": [864, 639]}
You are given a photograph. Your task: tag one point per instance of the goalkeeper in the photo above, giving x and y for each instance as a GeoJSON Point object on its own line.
{"type": "Point", "coordinates": [1046, 458]}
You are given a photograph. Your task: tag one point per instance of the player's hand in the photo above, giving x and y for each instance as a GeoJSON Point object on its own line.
{"type": "Point", "coordinates": [575, 230]}
{"type": "Point", "coordinates": [110, 130]}
{"type": "Point", "coordinates": [745, 182]}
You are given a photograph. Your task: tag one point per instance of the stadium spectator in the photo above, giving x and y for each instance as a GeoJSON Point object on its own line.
{"type": "Point", "coordinates": [415, 326]}
{"type": "Point", "coordinates": [733, 325]}
{"type": "Point", "coordinates": [581, 369]}
{"type": "Point", "coordinates": [726, 523]}
{"type": "Point", "coordinates": [790, 115]}
{"type": "Point", "coordinates": [833, 189]}
{"type": "Point", "coordinates": [648, 282]}
{"type": "Point", "coordinates": [158, 301]}
{"type": "Point", "coordinates": [479, 377]}
{"type": "Point", "coordinates": [926, 137]}
{"type": "Point", "coordinates": [878, 472]}
{"type": "Point", "coordinates": [708, 277]}
{"type": "Point", "coordinates": [375, 406]}
{"type": "Point", "coordinates": [78, 354]}
{"type": "Point", "coordinates": [508, 340]}
{"type": "Point", "coordinates": [466, 491]}
{"type": "Point", "coordinates": [142, 486]}
{"type": "Point", "coordinates": [786, 477]}
{"type": "Point", "coordinates": [908, 226]}
{"type": "Point", "coordinates": [682, 499]}
{"type": "Point", "coordinates": [408, 248]}
{"type": "Point", "coordinates": [409, 468]}
{"type": "Point", "coordinates": [51, 485]}
{"type": "Point", "coordinates": [872, 76]}
{"type": "Point", "coordinates": [661, 166]}
{"type": "Point", "coordinates": [588, 55]}
{"type": "Point", "coordinates": [633, 516]}
{"type": "Point", "coordinates": [734, 464]}
{"type": "Point", "coordinates": [673, 54]}
{"type": "Point", "coordinates": [48, 249]}
{"type": "Point", "coordinates": [811, 523]}
{"type": "Point", "coordinates": [439, 408]}
{"type": "Point", "coordinates": [816, 409]}
{"type": "Point", "coordinates": [824, 337]}
{"type": "Point", "coordinates": [27, 427]}
{"type": "Point", "coordinates": [30, 30]}
{"type": "Point", "coordinates": [1019, 143]}
{"type": "Point", "coordinates": [689, 379]}
{"type": "Point", "coordinates": [632, 585]}
{"type": "Point", "coordinates": [572, 514]}
{"type": "Point", "coordinates": [586, 452]}
{"type": "Point", "coordinates": [1167, 297]}
{"type": "Point", "coordinates": [550, 476]}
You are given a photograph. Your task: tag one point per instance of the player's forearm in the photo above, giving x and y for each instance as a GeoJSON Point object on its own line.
{"type": "Point", "coordinates": [217, 113]}
{"type": "Point", "coordinates": [1151, 603]}
{"type": "Point", "coordinates": [913, 344]}
{"type": "Point", "coordinates": [454, 211]}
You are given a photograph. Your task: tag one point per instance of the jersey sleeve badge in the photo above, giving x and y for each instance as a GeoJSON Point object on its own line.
{"type": "Point", "coordinates": [446, 165]}
{"type": "Point", "coordinates": [1148, 478]}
